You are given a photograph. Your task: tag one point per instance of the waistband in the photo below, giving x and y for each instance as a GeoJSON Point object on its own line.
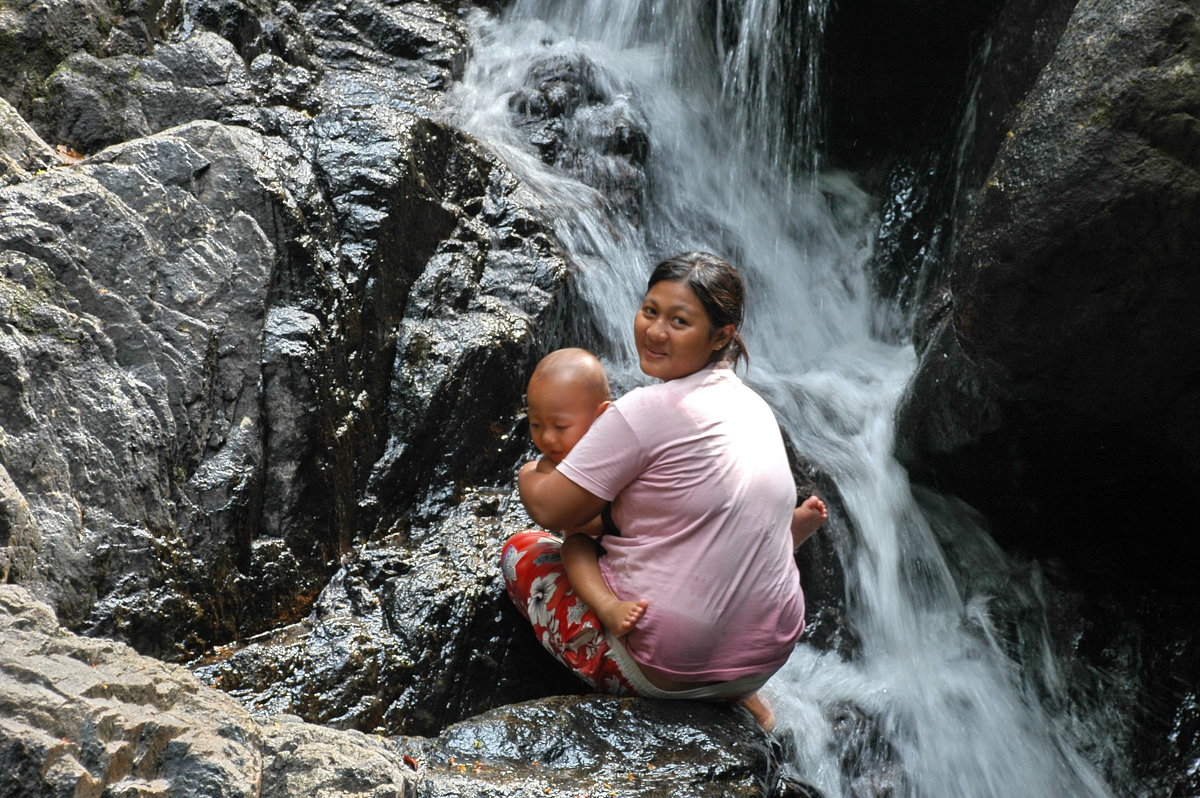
{"type": "Point", "coordinates": [737, 688]}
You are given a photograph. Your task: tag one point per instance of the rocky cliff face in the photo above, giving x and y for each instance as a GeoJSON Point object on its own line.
{"type": "Point", "coordinates": [264, 319]}
{"type": "Point", "coordinates": [1064, 345]}
{"type": "Point", "coordinates": [237, 333]}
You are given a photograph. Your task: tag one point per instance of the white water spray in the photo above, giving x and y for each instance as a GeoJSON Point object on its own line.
{"type": "Point", "coordinates": [951, 716]}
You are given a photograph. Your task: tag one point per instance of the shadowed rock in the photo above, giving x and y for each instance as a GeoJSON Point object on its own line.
{"type": "Point", "coordinates": [1062, 367]}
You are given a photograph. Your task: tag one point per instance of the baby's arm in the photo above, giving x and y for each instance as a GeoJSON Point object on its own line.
{"type": "Point", "coordinates": [593, 527]}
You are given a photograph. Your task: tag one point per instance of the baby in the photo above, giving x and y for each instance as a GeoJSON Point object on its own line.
{"type": "Point", "coordinates": [567, 392]}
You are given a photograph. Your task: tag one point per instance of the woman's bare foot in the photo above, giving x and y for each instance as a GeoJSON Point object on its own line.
{"type": "Point", "coordinates": [619, 616]}
{"type": "Point", "coordinates": [760, 710]}
{"type": "Point", "coordinates": [807, 519]}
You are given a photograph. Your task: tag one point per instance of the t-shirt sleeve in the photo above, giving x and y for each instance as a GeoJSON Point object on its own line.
{"type": "Point", "coordinates": [607, 458]}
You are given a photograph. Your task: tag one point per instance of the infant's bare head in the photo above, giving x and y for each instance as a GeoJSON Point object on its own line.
{"type": "Point", "coordinates": [567, 392]}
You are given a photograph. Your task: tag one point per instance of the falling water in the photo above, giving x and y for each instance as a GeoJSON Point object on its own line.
{"type": "Point", "coordinates": [951, 710]}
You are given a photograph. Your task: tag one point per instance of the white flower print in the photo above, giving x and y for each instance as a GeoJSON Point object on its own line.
{"type": "Point", "coordinates": [576, 611]}
{"type": "Point", "coordinates": [553, 643]}
{"type": "Point", "coordinates": [540, 593]}
{"type": "Point", "coordinates": [509, 563]}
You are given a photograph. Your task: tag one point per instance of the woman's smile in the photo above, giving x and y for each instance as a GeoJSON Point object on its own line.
{"type": "Point", "coordinates": [672, 332]}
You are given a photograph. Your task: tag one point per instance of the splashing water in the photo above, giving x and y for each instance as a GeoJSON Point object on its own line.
{"type": "Point", "coordinates": [941, 709]}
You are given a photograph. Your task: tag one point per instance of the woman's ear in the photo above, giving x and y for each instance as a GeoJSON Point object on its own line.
{"type": "Point", "coordinates": [722, 336]}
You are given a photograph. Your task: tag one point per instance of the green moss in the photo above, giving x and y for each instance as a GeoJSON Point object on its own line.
{"type": "Point", "coordinates": [31, 312]}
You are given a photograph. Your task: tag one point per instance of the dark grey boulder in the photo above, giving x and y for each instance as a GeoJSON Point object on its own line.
{"type": "Point", "coordinates": [35, 37]}
{"type": "Point", "coordinates": [599, 745]}
{"type": "Point", "coordinates": [581, 122]}
{"type": "Point", "coordinates": [1062, 369]}
{"type": "Point", "coordinates": [90, 103]}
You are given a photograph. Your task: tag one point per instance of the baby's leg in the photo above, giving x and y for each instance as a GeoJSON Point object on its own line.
{"type": "Point", "coordinates": [580, 560]}
{"type": "Point", "coordinates": [807, 519]}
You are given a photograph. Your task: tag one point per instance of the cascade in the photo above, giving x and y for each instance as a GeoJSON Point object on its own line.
{"type": "Point", "coordinates": [706, 93]}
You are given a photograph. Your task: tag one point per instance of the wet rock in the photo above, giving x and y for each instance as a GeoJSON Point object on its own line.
{"type": "Point", "coordinates": [599, 745]}
{"type": "Point", "coordinates": [410, 633]}
{"type": "Point", "coordinates": [90, 103]}
{"type": "Point", "coordinates": [88, 717]}
{"type": "Point", "coordinates": [869, 764]}
{"type": "Point", "coordinates": [581, 123]}
{"type": "Point", "coordinates": [490, 279]}
{"type": "Point", "coordinates": [397, 52]}
{"type": "Point", "coordinates": [137, 289]}
{"type": "Point", "coordinates": [36, 36]}
{"type": "Point", "coordinates": [255, 28]}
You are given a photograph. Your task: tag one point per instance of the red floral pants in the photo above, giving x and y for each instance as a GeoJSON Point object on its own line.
{"type": "Point", "coordinates": [533, 575]}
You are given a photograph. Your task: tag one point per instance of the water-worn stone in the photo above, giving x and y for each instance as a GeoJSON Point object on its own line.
{"type": "Point", "coordinates": [89, 717]}
{"type": "Point", "coordinates": [582, 123]}
{"type": "Point", "coordinates": [599, 745]}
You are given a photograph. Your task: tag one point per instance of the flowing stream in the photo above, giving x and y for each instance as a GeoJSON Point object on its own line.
{"type": "Point", "coordinates": [944, 703]}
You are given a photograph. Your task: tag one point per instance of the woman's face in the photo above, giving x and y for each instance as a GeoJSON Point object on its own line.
{"type": "Point", "coordinates": [673, 334]}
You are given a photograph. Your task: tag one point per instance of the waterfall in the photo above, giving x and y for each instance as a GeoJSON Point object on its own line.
{"type": "Point", "coordinates": [707, 94]}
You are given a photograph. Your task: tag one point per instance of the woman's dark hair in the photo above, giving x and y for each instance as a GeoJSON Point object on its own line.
{"type": "Point", "coordinates": [720, 290]}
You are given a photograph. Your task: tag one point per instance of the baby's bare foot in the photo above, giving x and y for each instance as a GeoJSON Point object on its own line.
{"type": "Point", "coordinates": [807, 519]}
{"type": "Point", "coordinates": [621, 616]}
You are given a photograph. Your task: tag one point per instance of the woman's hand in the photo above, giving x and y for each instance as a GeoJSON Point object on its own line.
{"type": "Point", "coordinates": [552, 500]}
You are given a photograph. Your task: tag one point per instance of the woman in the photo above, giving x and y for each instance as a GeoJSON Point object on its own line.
{"type": "Point", "coordinates": [702, 493]}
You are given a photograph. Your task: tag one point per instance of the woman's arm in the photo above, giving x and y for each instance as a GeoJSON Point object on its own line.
{"type": "Point", "coordinates": [554, 501]}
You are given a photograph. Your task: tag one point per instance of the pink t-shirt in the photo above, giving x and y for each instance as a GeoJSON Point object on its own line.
{"type": "Point", "coordinates": [703, 495]}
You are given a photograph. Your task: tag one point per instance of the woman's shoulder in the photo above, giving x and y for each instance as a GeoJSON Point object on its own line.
{"type": "Point", "coordinates": [661, 391]}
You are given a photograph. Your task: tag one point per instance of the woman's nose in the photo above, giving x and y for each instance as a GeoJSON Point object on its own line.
{"type": "Point", "coordinates": [657, 330]}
